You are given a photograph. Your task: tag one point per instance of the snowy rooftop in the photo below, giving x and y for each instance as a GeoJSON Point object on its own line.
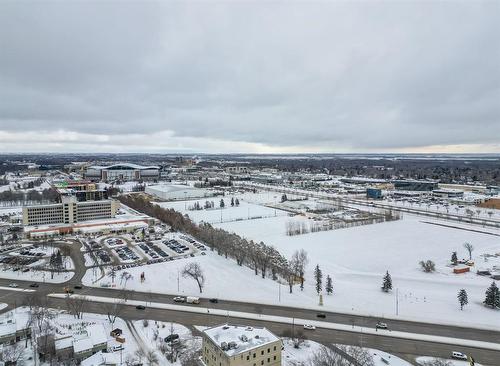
{"type": "Point", "coordinates": [173, 188]}
{"type": "Point", "coordinates": [101, 359]}
{"type": "Point", "coordinates": [242, 338]}
{"type": "Point", "coordinates": [64, 342]}
{"type": "Point", "coordinates": [80, 345]}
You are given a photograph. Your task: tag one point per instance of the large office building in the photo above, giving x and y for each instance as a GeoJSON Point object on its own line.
{"type": "Point", "coordinates": [235, 345]}
{"type": "Point", "coordinates": [415, 185]}
{"type": "Point", "coordinates": [122, 172]}
{"type": "Point", "coordinates": [69, 211]}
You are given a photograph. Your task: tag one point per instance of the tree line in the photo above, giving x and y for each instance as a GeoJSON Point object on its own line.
{"type": "Point", "coordinates": [262, 258]}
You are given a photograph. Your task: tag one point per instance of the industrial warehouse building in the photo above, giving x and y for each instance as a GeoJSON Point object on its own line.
{"type": "Point", "coordinates": [236, 345]}
{"type": "Point", "coordinates": [177, 192]}
{"type": "Point", "coordinates": [122, 172]}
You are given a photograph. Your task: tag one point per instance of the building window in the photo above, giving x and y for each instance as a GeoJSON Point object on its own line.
{"type": "Point", "coordinates": [262, 362]}
{"type": "Point", "coordinates": [274, 358]}
{"type": "Point", "coordinates": [254, 355]}
{"type": "Point", "coordinates": [262, 352]}
{"type": "Point", "coordinates": [268, 359]}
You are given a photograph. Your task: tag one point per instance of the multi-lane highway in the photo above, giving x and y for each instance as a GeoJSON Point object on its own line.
{"type": "Point", "coordinates": [406, 348]}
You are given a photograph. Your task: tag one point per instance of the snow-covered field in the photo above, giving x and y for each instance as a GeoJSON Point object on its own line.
{"type": "Point", "coordinates": [215, 215]}
{"type": "Point", "coordinates": [356, 258]}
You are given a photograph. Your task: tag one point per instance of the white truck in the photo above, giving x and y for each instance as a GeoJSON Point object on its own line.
{"type": "Point", "coordinates": [192, 300]}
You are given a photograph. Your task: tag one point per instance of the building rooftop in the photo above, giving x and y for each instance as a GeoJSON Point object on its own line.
{"type": "Point", "coordinates": [236, 339]}
{"type": "Point", "coordinates": [81, 345]}
{"type": "Point", "coordinates": [124, 166]}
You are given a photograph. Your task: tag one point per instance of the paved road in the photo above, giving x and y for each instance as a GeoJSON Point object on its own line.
{"type": "Point", "coordinates": [325, 336]}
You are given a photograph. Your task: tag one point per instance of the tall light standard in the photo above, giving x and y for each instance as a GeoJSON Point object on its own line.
{"type": "Point", "coordinates": [185, 202]}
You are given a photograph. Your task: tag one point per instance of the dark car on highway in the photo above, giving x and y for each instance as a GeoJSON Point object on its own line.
{"type": "Point", "coordinates": [214, 301]}
{"type": "Point", "coordinates": [140, 307]}
{"type": "Point", "coordinates": [34, 285]}
{"type": "Point", "coordinates": [321, 315]}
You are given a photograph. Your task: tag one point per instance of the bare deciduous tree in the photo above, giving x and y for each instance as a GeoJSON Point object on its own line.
{"type": "Point", "coordinates": [76, 305]}
{"type": "Point", "coordinates": [193, 270]}
{"type": "Point", "coordinates": [469, 247]}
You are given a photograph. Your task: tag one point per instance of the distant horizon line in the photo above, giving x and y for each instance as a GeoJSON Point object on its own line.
{"type": "Point", "coordinates": [253, 153]}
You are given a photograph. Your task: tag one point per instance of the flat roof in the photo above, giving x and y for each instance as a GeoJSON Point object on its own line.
{"type": "Point", "coordinates": [245, 338]}
{"type": "Point", "coordinates": [126, 165]}
{"type": "Point", "coordinates": [173, 188]}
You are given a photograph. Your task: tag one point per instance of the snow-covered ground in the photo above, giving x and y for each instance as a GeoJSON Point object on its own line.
{"type": "Point", "coordinates": [36, 276]}
{"type": "Point", "coordinates": [356, 258]}
{"type": "Point", "coordinates": [291, 356]}
{"type": "Point", "coordinates": [422, 360]}
{"type": "Point", "coordinates": [152, 334]}
{"type": "Point", "coordinates": [244, 211]}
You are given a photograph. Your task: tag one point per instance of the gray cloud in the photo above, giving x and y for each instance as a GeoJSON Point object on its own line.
{"type": "Point", "coordinates": [249, 76]}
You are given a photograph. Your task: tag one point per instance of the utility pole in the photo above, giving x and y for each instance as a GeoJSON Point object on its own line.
{"type": "Point", "coordinates": [178, 281]}
{"type": "Point", "coordinates": [397, 301]}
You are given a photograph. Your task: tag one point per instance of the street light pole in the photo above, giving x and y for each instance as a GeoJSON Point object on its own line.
{"type": "Point", "coordinates": [397, 301]}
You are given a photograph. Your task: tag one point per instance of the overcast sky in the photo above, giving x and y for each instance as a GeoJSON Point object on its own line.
{"type": "Point", "coordinates": [250, 76]}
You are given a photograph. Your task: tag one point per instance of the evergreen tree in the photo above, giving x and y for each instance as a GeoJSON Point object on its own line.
{"type": "Point", "coordinates": [237, 202]}
{"type": "Point", "coordinates": [329, 285]}
{"type": "Point", "coordinates": [284, 198]}
{"type": "Point", "coordinates": [492, 296]}
{"type": "Point", "coordinates": [387, 282]}
{"type": "Point", "coordinates": [59, 261]}
{"type": "Point", "coordinates": [232, 202]}
{"type": "Point", "coordinates": [462, 298]}
{"type": "Point", "coordinates": [318, 275]}
{"type": "Point", "coordinates": [454, 258]}
{"type": "Point", "coordinates": [222, 204]}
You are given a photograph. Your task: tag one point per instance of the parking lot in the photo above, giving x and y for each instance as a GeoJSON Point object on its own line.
{"type": "Point", "coordinates": [138, 249]}
{"type": "Point", "coordinates": [141, 248]}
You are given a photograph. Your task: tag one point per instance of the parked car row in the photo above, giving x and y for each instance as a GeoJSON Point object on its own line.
{"type": "Point", "coordinates": [30, 253]}
{"type": "Point", "coordinates": [176, 246]}
{"type": "Point", "coordinates": [20, 261]}
{"type": "Point", "coordinates": [104, 256]}
{"type": "Point", "coordinates": [126, 254]}
{"type": "Point", "coordinates": [157, 249]}
{"type": "Point", "coordinates": [114, 242]}
{"type": "Point", "coordinates": [193, 242]}
{"type": "Point", "coordinates": [7, 248]}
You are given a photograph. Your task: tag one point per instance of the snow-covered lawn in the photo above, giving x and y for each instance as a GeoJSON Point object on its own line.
{"type": "Point", "coordinates": [36, 276]}
{"type": "Point", "coordinates": [244, 211]}
{"type": "Point", "coordinates": [357, 258]}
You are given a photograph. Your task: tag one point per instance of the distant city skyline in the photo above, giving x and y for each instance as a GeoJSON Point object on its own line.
{"type": "Point", "coordinates": [250, 77]}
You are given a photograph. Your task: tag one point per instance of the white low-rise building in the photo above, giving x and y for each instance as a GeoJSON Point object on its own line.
{"type": "Point", "coordinates": [177, 192]}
